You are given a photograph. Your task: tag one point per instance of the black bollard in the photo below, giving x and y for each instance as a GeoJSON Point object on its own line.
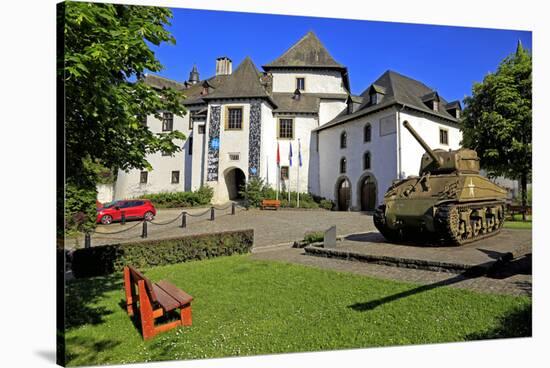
{"type": "Point", "coordinates": [144, 230]}
{"type": "Point", "coordinates": [184, 219]}
{"type": "Point", "coordinates": [232, 208]}
{"type": "Point", "coordinates": [122, 218]}
{"type": "Point", "coordinates": [211, 213]}
{"type": "Point", "coordinates": [87, 240]}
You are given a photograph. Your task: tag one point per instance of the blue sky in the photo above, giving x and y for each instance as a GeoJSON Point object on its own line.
{"type": "Point", "coordinates": [448, 59]}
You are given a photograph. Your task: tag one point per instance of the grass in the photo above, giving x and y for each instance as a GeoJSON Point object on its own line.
{"type": "Point", "coordinates": [516, 222]}
{"type": "Point", "coordinates": [247, 307]}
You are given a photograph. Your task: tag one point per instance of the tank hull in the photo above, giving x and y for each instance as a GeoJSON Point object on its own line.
{"type": "Point", "coordinates": [451, 209]}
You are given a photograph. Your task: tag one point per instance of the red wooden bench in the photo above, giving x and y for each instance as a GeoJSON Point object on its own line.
{"type": "Point", "coordinates": [155, 300]}
{"type": "Point", "coordinates": [270, 203]}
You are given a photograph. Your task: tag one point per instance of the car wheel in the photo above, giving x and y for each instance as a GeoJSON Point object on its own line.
{"type": "Point", "coordinates": [106, 219]}
{"type": "Point", "coordinates": [148, 216]}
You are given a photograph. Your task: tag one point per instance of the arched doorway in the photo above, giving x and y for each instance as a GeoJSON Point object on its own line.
{"type": "Point", "coordinates": [343, 194]}
{"type": "Point", "coordinates": [367, 193]}
{"type": "Point", "coordinates": [235, 181]}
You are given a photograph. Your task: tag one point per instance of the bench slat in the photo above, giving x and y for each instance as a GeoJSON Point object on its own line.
{"type": "Point", "coordinates": [167, 302]}
{"type": "Point", "coordinates": [181, 296]}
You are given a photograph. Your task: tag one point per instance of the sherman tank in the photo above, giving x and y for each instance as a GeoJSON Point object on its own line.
{"type": "Point", "coordinates": [448, 203]}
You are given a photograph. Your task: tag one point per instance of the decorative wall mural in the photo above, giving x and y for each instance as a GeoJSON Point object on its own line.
{"type": "Point", "coordinates": [213, 144]}
{"type": "Point", "coordinates": [254, 138]}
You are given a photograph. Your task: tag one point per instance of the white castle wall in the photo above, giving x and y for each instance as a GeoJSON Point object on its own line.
{"type": "Point", "coordinates": [316, 81]}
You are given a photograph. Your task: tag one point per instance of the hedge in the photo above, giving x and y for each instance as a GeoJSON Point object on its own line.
{"type": "Point", "coordinates": [199, 197]}
{"type": "Point", "coordinates": [106, 259]}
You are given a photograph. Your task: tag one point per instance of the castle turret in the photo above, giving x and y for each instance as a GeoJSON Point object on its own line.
{"type": "Point", "coordinates": [194, 76]}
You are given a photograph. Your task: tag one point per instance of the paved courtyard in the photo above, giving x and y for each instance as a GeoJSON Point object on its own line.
{"type": "Point", "coordinates": [270, 227]}
{"type": "Point", "coordinates": [516, 282]}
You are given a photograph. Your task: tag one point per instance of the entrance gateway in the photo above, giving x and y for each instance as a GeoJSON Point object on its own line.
{"type": "Point", "coordinates": [344, 195]}
{"type": "Point", "coordinates": [368, 194]}
{"type": "Point", "coordinates": [235, 181]}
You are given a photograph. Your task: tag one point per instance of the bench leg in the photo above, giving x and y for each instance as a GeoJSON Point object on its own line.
{"type": "Point", "coordinates": [146, 312]}
{"type": "Point", "coordinates": [185, 313]}
{"type": "Point", "coordinates": [129, 290]}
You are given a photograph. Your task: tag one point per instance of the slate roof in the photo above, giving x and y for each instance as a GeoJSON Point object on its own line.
{"type": "Point", "coordinates": [307, 103]}
{"type": "Point", "coordinates": [399, 89]}
{"type": "Point", "coordinates": [242, 83]}
{"type": "Point", "coordinates": [156, 81]}
{"type": "Point", "coordinates": [307, 52]}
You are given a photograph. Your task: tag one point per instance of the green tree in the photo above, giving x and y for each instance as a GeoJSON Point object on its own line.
{"type": "Point", "coordinates": [105, 53]}
{"type": "Point", "coordinates": [497, 120]}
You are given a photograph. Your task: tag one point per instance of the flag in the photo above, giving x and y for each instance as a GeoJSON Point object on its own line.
{"type": "Point", "coordinates": [299, 154]}
{"type": "Point", "coordinates": [278, 155]}
{"type": "Point", "coordinates": [290, 155]}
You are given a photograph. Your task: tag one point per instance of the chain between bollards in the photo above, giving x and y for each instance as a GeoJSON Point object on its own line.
{"type": "Point", "coordinates": [144, 229]}
{"type": "Point", "coordinates": [183, 219]}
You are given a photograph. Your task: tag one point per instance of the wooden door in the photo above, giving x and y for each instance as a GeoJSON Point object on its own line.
{"type": "Point", "coordinates": [368, 195]}
{"type": "Point", "coordinates": [344, 195]}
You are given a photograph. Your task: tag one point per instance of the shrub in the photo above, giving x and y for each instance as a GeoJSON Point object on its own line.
{"type": "Point", "coordinates": [326, 204]}
{"type": "Point", "coordinates": [314, 237]}
{"type": "Point", "coordinates": [79, 207]}
{"type": "Point", "coordinates": [255, 190]}
{"type": "Point", "coordinates": [200, 197]}
{"type": "Point", "coordinates": [106, 259]}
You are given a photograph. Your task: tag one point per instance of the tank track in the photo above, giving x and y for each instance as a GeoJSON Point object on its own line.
{"type": "Point", "coordinates": [456, 226]}
{"type": "Point", "coordinates": [379, 219]}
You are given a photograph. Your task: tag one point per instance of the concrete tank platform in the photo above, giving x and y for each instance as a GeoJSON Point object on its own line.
{"type": "Point", "coordinates": [476, 258]}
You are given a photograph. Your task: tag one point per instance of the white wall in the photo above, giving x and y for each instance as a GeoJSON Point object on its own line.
{"type": "Point", "coordinates": [328, 109]}
{"type": "Point", "coordinates": [382, 149]}
{"type": "Point", "coordinates": [316, 81]}
{"type": "Point", "coordinates": [159, 179]}
{"type": "Point", "coordinates": [105, 192]}
{"type": "Point", "coordinates": [428, 129]}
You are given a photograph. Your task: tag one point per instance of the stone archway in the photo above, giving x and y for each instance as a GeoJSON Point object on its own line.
{"type": "Point", "coordinates": [343, 194]}
{"type": "Point", "coordinates": [235, 181]}
{"type": "Point", "coordinates": [366, 192]}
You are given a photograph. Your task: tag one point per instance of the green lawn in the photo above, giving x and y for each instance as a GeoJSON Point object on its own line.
{"type": "Point", "coordinates": [248, 307]}
{"type": "Point", "coordinates": [517, 223]}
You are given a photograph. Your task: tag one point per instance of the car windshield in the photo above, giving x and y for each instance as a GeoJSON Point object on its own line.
{"type": "Point", "coordinates": [110, 204]}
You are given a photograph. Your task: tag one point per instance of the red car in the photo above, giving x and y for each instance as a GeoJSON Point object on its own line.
{"type": "Point", "coordinates": [132, 208]}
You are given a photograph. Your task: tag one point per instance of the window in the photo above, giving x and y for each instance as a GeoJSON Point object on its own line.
{"type": "Point", "coordinates": [443, 136]}
{"type": "Point", "coordinates": [367, 133]}
{"type": "Point", "coordinates": [366, 161]}
{"type": "Point", "coordinates": [175, 177]}
{"type": "Point", "coordinates": [234, 118]}
{"type": "Point", "coordinates": [343, 165]}
{"type": "Point", "coordinates": [301, 84]}
{"type": "Point", "coordinates": [167, 121]}
{"type": "Point", "coordinates": [343, 140]}
{"type": "Point", "coordinates": [191, 121]}
{"type": "Point", "coordinates": [143, 177]}
{"type": "Point", "coordinates": [457, 113]}
{"type": "Point", "coordinates": [202, 129]}
{"type": "Point", "coordinates": [234, 156]}
{"type": "Point", "coordinates": [373, 98]}
{"type": "Point", "coordinates": [286, 128]}
{"type": "Point", "coordinates": [166, 154]}
{"type": "Point", "coordinates": [436, 105]}
{"type": "Point", "coordinates": [284, 172]}
{"type": "Point", "coordinates": [190, 146]}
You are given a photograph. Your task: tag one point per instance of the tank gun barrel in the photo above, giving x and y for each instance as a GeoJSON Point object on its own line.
{"type": "Point", "coordinates": [422, 142]}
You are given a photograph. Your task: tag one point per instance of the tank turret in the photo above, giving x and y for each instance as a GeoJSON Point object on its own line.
{"type": "Point", "coordinates": [448, 203]}
{"type": "Point", "coordinates": [439, 161]}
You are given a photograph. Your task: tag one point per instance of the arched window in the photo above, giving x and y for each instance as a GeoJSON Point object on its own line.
{"type": "Point", "coordinates": [367, 133]}
{"type": "Point", "coordinates": [343, 165]}
{"type": "Point", "coordinates": [366, 161]}
{"type": "Point", "coordinates": [343, 140]}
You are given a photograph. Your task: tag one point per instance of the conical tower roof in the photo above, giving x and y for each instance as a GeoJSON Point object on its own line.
{"type": "Point", "coordinates": [307, 52]}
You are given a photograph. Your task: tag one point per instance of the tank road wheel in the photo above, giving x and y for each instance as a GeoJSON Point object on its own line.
{"type": "Point", "coordinates": [379, 219]}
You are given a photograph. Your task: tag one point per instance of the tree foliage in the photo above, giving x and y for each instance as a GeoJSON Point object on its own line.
{"type": "Point", "coordinates": [497, 119]}
{"type": "Point", "coordinates": [106, 45]}
{"type": "Point", "coordinates": [106, 51]}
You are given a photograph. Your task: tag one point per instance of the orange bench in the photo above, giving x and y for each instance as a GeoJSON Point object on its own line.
{"type": "Point", "coordinates": [155, 300]}
{"type": "Point", "coordinates": [270, 203]}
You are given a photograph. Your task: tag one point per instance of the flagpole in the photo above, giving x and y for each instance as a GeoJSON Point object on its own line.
{"type": "Point", "coordinates": [289, 167]}
{"type": "Point", "coordinates": [298, 182]}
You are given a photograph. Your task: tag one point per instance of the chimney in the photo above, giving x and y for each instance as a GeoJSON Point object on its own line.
{"type": "Point", "coordinates": [223, 66]}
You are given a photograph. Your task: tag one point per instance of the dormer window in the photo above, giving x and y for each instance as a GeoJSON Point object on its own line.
{"type": "Point", "coordinates": [373, 98]}
{"type": "Point", "coordinates": [457, 114]}
{"type": "Point", "coordinates": [436, 105]}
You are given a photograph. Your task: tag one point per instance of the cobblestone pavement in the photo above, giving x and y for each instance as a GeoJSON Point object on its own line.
{"type": "Point", "coordinates": [515, 284]}
{"type": "Point", "coordinates": [270, 227]}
